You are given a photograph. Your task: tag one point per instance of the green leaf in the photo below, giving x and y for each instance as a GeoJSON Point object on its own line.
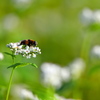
{"type": "Point", "coordinates": [34, 65]}
{"type": "Point", "coordinates": [21, 65]}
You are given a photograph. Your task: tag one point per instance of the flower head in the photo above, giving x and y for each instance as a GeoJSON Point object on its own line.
{"type": "Point", "coordinates": [96, 51]}
{"type": "Point", "coordinates": [1, 56]}
{"type": "Point", "coordinates": [54, 75]}
{"type": "Point", "coordinates": [89, 17]}
{"type": "Point", "coordinates": [22, 93]}
{"type": "Point", "coordinates": [24, 50]}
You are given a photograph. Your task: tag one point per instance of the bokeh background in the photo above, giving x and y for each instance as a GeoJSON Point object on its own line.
{"type": "Point", "coordinates": [66, 34]}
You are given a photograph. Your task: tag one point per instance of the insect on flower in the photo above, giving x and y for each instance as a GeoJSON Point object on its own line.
{"type": "Point", "coordinates": [26, 48]}
{"type": "Point", "coordinates": [28, 42]}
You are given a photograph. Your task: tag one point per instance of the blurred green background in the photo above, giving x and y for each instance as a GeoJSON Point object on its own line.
{"type": "Point", "coordinates": [56, 26]}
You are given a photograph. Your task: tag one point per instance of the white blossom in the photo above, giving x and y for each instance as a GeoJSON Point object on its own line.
{"type": "Point", "coordinates": [22, 4]}
{"type": "Point", "coordinates": [96, 16]}
{"type": "Point", "coordinates": [86, 16]}
{"type": "Point", "coordinates": [1, 56]}
{"type": "Point", "coordinates": [89, 16]}
{"type": "Point", "coordinates": [54, 74]}
{"type": "Point", "coordinates": [76, 68]}
{"type": "Point", "coordinates": [96, 51]}
{"type": "Point", "coordinates": [65, 74]}
{"type": "Point", "coordinates": [25, 51]}
{"type": "Point", "coordinates": [19, 92]}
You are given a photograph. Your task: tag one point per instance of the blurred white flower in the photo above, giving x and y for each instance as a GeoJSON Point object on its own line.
{"type": "Point", "coordinates": [76, 68]}
{"type": "Point", "coordinates": [89, 17]}
{"type": "Point", "coordinates": [27, 94]}
{"type": "Point", "coordinates": [96, 16]}
{"type": "Point", "coordinates": [86, 16]}
{"type": "Point", "coordinates": [10, 22]}
{"type": "Point", "coordinates": [96, 51]}
{"type": "Point", "coordinates": [22, 4]}
{"type": "Point", "coordinates": [19, 92]}
{"type": "Point", "coordinates": [65, 74]}
{"type": "Point", "coordinates": [54, 75]}
{"type": "Point", "coordinates": [25, 51]}
{"type": "Point", "coordinates": [1, 56]}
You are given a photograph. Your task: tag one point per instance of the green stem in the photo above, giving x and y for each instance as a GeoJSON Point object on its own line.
{"type": "Point", "coordinates": [85, 47]}
{"type": "Point", "coordinates": [13, 57]}
{"type": "Point", "coordinates": [85, 55]}
{"type": "Point", "coordinates": [9, 85]}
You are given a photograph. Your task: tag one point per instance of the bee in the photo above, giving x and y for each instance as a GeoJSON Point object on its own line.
{"type": "Point", "coordinates": [28, 42]}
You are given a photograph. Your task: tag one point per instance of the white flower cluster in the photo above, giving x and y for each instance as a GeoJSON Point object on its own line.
{"type": "Point", "coordinates": [77, 67]}
{"type": "Point", "coordinates": [55, 75]}
{"type": "Point", "coordinates": [89, 17]}
{"type": "Point", "coordinates": [25, 51]}
{"type": "Point", "coordinates": [96, 51]}
{"type": "Point", "coordinates": [1, 56]}
{"type": "Point", "coordinates": [22, 93]}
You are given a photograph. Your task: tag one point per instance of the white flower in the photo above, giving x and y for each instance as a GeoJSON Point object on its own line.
{"type": "Point", "coordinates": [65, 74]}
{"type": "Point", "coordinates": [77, 67]}
{"type": "Point", "coordinates": [96, 16]}
{"type": "Point", "coordinates": [96, 51]}
{"type": "Point", "coordinates": [33, 55]}
{"type": "Point", "coordinates": [89, 17]}
{"type": "Point", "coordinates": [25, 51]}
{"type": "Point", "coordinates": [22, 4]}
{"type": "Point", "coordinates": [28, 56]}
{"type": "Point", "coordinates": [54, 75]}
{"type": "Point", "coordinates": [86, 16]}
{"type": "Point", "coordinates": [22, 93]}
{"type": "Point", "coordinates": [1, 56]}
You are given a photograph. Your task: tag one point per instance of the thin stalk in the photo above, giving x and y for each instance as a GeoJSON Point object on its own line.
{"type": "Point", "coordinates": [85, 55]}
{"type": "Point", "coordinates": [85, 47]}
{"type": "Point", "coordinates": [13, 57]}
{"type": "Point", "coordinates": [10, 80]}
{"type": "Point", "coordinates": [9, 85]}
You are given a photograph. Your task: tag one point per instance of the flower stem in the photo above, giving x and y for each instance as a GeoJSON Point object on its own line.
{"type": "Point", "coordinates": [9, 85]}
{"type": "Point", "coordinates": [85, 47]}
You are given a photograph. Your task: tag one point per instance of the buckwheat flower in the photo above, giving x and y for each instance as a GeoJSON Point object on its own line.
{"type": "Point", "coordinates": [86, 16]}
{"type": "Point", "coordinates": [96, 51]}
{"type": "Point", "coordinates": [24, 50]}
{"type": "Point", "coordinates": [1, 56]}
{"type": "Point", "coordinates": [54, 75]}
{"type": "Point", "coordinates": [51, 74]}
{"type": "Point", "coordinates": [22, 4]}
{"type": "Point", "coordinates": [76, 68]}
{"type": "Point", "coordinates": [96, 16]}
{"type": "Point", "coordinates": [33, 55]}
{"type": "Point", "coordinates": [65, 74]}
{"type": "Point", "coordinates": [28, 56]}
{"type": "Point", "coordinates": [89, 17]}
{"type": "Point", "coordinates": [22, 93]}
